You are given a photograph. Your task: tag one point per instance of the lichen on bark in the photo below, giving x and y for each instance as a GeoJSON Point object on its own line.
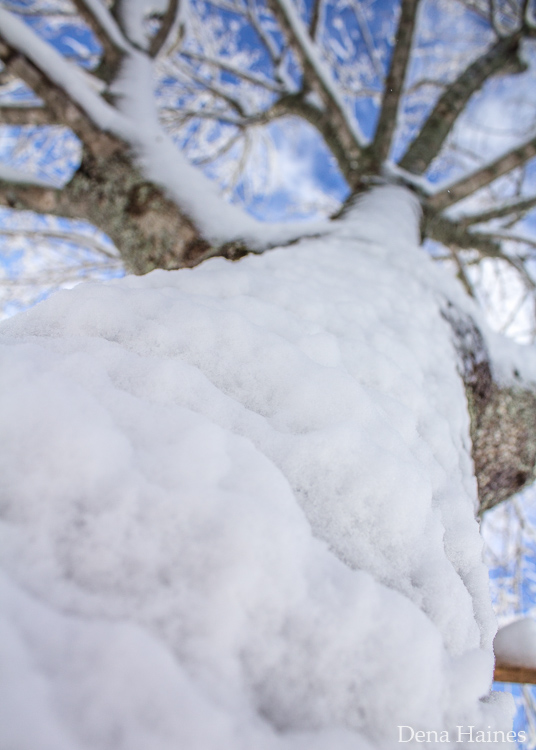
{"type": "Point", "coordinates": [502, 418]}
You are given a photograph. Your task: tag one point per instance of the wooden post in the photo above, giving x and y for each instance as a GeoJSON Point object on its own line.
{"type": "Point", "coordinates": [514, 673]}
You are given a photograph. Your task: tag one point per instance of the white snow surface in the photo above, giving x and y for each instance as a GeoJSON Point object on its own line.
{"type": "Point", "coordinates": [237, 506]}
{"type": "Point", "coordinates": [516, 643]}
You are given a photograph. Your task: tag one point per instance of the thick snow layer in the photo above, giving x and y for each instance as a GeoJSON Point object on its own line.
{"type": "Point", "coordinates": [237, 507]}
{"type": "Point", "coordinates": [515, 643]}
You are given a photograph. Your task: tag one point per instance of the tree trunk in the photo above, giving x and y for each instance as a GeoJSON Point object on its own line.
{"type": "Point", "coordinates": [502, 419]}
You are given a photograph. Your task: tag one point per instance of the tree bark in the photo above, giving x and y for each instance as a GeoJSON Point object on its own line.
{"type": "Point", "coordinates": [502, 419]}
{"type": "Point", "coordinates": [484, 176]}
{"type": "Point", "coordinates": [146, 226]}
{"type": "Point", "coordinates": [394, 82]}
{"type": "Point", "coordinates": [451, 104]}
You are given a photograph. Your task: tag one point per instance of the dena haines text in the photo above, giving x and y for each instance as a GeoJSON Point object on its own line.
{"type": "Point", "coordinates": [462, 734]}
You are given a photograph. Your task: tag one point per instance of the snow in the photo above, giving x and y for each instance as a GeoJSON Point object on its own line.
{"type": "Point", "coordinates": [108, 23]}
{"type": "Point", "coordinates": [133, 18]}
{"type": "Point", "coordinates": [161, 161]}
{"type": "Point", "coordinates": [237, 506]}
{"type": "Point", "coordinates": [515, 644]}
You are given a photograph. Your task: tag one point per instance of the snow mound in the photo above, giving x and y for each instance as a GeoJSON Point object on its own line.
{"type": "Point", "coordinates": [237, 506]}
{"type": "Point", "coordinates": [515, 644]}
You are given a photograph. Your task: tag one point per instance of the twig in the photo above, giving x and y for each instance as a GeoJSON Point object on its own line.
{"type": "Point", "coordinates": [229, 68]}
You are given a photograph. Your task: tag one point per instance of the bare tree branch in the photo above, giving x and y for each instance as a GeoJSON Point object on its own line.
{"type": "Point", "coordinates": [220, 151]}
{"type": "Point", "coordinates": [214, 89]}
{"type": "Point", "coordinates": [522, 271]}
{"type": "Point", "coordinates": [173, 115]}
{"type": "Point", "coordinates": [462, 275]}
{"type": "Point", "coordinates": [394, 82]}
{"type": "Point", "coordinates": [453, 234]}
{"type": "Point", "coordinates": [424, 82]}
{"type": "Point", "coordinates": [26, 116]}
{"type": "Point", "coordinates": [229, 68]}
{"type": "Point", "coordinates": [61, 107]}
{"type": "Point", "coordinates": [518, 207]}
{"type": "Point", "coordinates": [315, 18]}
{"type": "Point", "coordinates": [263, 35]}
{"type": "Point", "coordinates": [475, 7]}
{"type": "Point", "coordinates": [107, 32]}
{"type": "Point", "coordinates": [316, 79]}
{"type": "Point", "coordinates": [483, 176]}
{"type": "Point", "coordinates": [91, 243]}
{"type": "Point", "coordinates": [159, 41]}
{"type": "Point", "coordinates": [295, 105]}
{"type": "Point", "coordinates": [514, 238]}
{"type": "Point", "coordinates": [368, 39]}
{"type": "Point", "coordinates": [452, 103]}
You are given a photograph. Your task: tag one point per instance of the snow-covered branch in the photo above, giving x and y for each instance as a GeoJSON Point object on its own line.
{"type": "Point", "coordinates": [105, 28]}
{"type": "Point", "coordinates": [61, 107]}
{"type": "Point", "coordinates": [66, 90]}
{"type": "Point", "coordinates": [319, 80]}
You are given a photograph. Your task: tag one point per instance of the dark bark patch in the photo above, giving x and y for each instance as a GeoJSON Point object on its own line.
{"type": "Point", "coordinates": [502, 420]}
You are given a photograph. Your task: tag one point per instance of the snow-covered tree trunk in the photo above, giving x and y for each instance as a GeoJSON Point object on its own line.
{"type": "Point", "coordinates": [161, 213]}
{"type": "Point", "coordinates": [239, 505]}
